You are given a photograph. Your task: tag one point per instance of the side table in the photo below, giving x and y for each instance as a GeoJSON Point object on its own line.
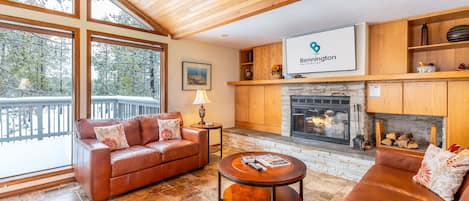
{"type": "Point", "coordinates": [208, 128]}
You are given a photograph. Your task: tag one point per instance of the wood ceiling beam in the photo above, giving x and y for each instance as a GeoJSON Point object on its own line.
{"type": "Point", "coordinates": [198, 26]}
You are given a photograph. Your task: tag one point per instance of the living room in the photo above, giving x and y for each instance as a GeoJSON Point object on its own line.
{"type": "Point", "coordinates": [234, 100]}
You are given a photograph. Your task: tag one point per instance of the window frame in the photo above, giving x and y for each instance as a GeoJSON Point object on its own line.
{"type": "Point", "coordinates": [157, 29]}
{"type": "Point", "coordinates": [75, 14]}
{"type": "Point", "coordinates": [163, 48]}
{"type": "Point", "coordinates": [75, 35]}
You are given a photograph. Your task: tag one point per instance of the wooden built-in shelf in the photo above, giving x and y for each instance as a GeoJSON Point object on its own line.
{"type": "Point", "coordinates": [440, 46]}
{"type": "Point", "coordinates": [452, 14]}
{"type": "Point", "coordinates": [361, 78]}
{"type": "Point", "coordinates": [247, 63]}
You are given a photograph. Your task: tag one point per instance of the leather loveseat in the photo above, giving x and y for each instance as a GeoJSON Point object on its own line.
{"type": "Point", "coordinates": [103, 173]}
{"type": "Point", "coordinates": [390, 179]}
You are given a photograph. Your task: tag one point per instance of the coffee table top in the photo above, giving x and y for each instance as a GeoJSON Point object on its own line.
{"type": "Point", "coordinates": [233, 169]}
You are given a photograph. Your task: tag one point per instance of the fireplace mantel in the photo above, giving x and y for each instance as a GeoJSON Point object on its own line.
{"type": "Point", "coordinates": [360, 78]}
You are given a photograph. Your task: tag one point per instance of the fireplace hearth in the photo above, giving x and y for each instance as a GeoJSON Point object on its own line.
{"type": "Point", "coordinates": [325, 118]}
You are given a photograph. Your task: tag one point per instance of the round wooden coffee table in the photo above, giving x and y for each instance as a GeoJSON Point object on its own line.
{"type": "Point", "coordinates": [253, 185]}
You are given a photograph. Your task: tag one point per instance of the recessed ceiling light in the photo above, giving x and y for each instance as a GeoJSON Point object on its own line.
{"type": "Point", "coordinates": [225, 35]}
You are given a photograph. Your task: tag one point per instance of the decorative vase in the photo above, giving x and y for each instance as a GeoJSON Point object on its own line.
{"type": "Point", "coordinates": [458, 33]}
{"type": "Point", "coordinates": [250, 56]}
{"type": "Point", "coordinates": [424, 35]}
{"type": "Point", "coordinates": [248, 74]}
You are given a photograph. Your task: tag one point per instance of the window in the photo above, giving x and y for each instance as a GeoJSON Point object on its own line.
{"type": "Point", "coordinates": [36, 110]}
{"type": "Point", "coordinates": [125, 78]}
{"type": "Point", "coordinates": [114, 12]}
{"type": "Point", "coordinates": [60, 7]}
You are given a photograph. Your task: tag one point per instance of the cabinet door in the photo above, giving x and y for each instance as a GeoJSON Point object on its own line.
{"type": "Point", "coordinates": [273, 108]}
{"type": "Point", "coordinates": [256, 104]}
{"type": "Point", "coordinates": [260, 55]}
{"type": "Point", "coordinates": [241, 103]}
{"type": "Point", "coordinates": [458, 111]}
{"type": "Point", "coordinates": [388, 48]}
{"type": "Point", "coordinates": [425, 98]}
{"type": "Point", "coordinates": [264, 58]}
{"type": "Point", "coordinates": [384, 97]}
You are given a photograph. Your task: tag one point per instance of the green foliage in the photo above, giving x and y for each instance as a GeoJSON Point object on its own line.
{"type": "Point", "coordinates": [43, 60]}
{"type": "Point", "coordinates": [123, 70]}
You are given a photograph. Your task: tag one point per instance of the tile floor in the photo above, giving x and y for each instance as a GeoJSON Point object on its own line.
{"type": "Point", "coordinates": [198, 185]}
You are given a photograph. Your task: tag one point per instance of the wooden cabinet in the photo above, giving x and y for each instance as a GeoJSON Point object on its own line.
{"type": "Point", "coordinates": [388, 99]}
{"type": "Point", "coordinates": [264, 58]}
{"type": "Point", "coordinates": [241, 103]}
{"type": "Point", "coordinates": [388, 48]}
{"type": "Point", "coordinates": [273, 105]}
{"type": "Point", "coordinates": [256, 104]}
{"type": "Point", "coordinates": [259, 108]}
{"type": "Point", "coordinates": [425, 98]}
{"type": "Point", "coordinates": [458, 111]}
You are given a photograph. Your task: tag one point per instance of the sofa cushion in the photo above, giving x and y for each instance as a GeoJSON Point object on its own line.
{"type": "Point", "coordinates": [132, 132]}
{"type": "Point", "coordinates": [169, 129]}
{"type": "Point", "coordinates": [133, 159]}
{"type": "Point", "coordinates": [443, 171]}
{"type": "Point", "coordinates": [112, 136]}
{"type": "Point", "coordinates": [369, 192]}
{"type": "Point", "coordinates": [85, 127]}
{"type": "Point", "coordinates": [149, 125]}
{"type": "Point", "coordinates": [397, 180]}
{"type": "Point", "coordinates": [175, 149]}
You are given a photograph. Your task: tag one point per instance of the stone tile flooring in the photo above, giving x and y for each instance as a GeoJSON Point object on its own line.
{"type": "Point", "coordinates": [198, 185]}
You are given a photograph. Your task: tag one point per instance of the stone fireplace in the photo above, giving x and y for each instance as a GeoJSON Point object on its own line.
{"type": "Point", "coordinates": [325, 118]}
{"type": "Point", "coordinates": [332, 112]}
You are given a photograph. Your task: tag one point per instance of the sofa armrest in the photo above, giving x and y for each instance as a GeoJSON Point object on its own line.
{"type": "Point", "coordinates": [92, 167]}
{"type": "Point", "coordinates": [199, 136]}
{"type": "Point", "coordinates": [400, 159]}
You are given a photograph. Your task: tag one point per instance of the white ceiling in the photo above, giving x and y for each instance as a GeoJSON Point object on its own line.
{"type": "Point", "coordinates": [309, 16]}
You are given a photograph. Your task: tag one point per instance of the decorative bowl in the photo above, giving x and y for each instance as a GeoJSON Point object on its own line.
{"type": "Point", "coordinates": [458, 33]}
{"type": "Point", "coordinates": [426, 69]}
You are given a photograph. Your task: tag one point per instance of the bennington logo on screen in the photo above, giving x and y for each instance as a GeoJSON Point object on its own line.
{"type": "Point", "coordinates": [316, 59]}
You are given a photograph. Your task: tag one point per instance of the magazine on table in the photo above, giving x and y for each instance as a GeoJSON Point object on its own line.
{"type": "Point", "coordinates": [272, 161]}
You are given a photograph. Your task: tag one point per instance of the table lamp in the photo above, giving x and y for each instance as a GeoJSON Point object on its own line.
{"type": "Point", "coordinates": [201, 98]}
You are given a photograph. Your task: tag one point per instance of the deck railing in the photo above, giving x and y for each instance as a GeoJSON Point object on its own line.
{"type": "Point", "coordinates": [39, 117]}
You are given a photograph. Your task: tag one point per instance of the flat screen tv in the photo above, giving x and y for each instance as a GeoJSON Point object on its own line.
{"type": "Point", "coordinates": [321, 52]}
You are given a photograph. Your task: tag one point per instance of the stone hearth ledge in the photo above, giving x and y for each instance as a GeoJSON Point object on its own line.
{"type": "Point", "coordinates": [329, 158]}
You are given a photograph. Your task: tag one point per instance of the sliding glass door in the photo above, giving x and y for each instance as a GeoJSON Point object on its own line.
{"type": "Point", "coordinates": [35, 98]}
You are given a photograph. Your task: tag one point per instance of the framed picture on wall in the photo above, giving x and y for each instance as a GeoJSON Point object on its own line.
{"type": "Point", "coordinates": [196, 76]}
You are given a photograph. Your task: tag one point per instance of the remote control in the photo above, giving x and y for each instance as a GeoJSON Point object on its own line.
{"type": "Point", "coordinates": [255, 166]}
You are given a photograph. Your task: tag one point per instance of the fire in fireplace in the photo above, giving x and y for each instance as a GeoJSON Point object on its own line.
{"type": "Point", "coordinates": [325, 118]}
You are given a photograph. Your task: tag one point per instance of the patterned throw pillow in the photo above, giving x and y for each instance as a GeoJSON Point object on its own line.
{"type": "Point", "coordinates": [112, 136]}
{"type": "Point", "coordinates": [170, 129]}
{"type": "Point", "coordinates": [442, 171]}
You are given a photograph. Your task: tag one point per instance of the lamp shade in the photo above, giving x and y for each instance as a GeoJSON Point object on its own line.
{"type": "Point", "coordinates": [201, 97]}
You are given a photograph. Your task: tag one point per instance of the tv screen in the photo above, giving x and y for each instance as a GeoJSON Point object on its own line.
{"type": "Point", "coordinates": [321, 52]}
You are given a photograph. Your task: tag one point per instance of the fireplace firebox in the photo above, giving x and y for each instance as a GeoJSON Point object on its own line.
{"type": "Point", "coordinates": [325, 118]}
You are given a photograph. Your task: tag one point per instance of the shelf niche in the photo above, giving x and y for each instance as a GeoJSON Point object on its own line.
{"type": "Point", "coordinates": [444, 54]}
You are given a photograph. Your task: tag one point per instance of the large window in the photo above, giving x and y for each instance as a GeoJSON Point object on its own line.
{"type": "Point", "coordinates": [125, 77]}
{"type": "Point", "coordinates": [113, 11]}
{"type": "Point", "coordinates": [35, 98]}
{"type": "Point", "coordinates": [61, 7]}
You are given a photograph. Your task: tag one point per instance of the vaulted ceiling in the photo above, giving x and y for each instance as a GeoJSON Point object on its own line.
{"type": "Point", "coordinates": [183, 18]}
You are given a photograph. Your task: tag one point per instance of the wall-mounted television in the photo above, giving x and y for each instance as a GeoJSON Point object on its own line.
{"type": "Point", "coordinates": [326, 51]}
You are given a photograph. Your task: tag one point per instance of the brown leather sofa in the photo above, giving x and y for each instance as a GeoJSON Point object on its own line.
{"type": "Point", "coordinates": [390, 179]}
{"type": "Point", "coordinates": [103, 173]}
